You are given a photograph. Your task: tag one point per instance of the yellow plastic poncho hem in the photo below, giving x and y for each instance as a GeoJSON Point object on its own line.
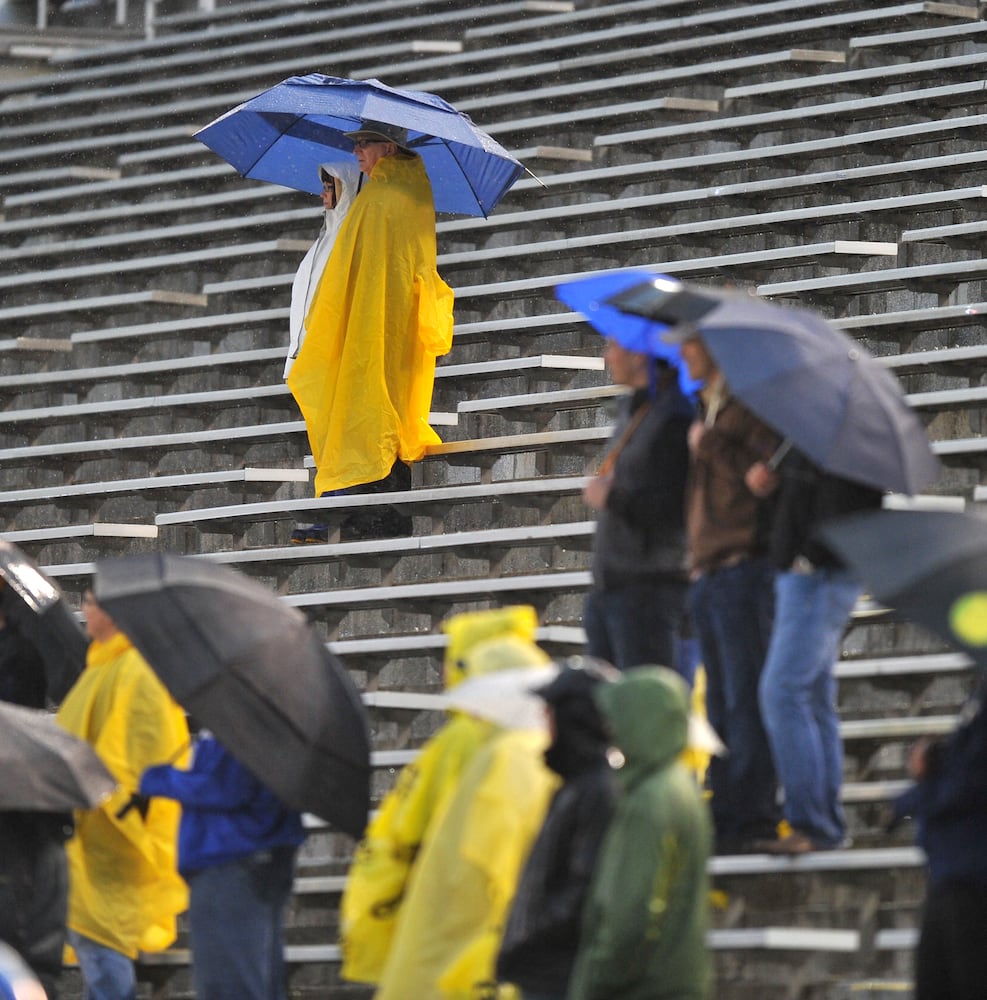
{"type": "Point", "coordinates": [381, 315]}
{"type": "Point", "coordinates": [124, 888]}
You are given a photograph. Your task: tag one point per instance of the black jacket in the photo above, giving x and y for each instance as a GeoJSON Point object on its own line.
{"type": "Point", "coordinates": [807, 497]}
{"type": "Point", "coordinates": [640, 535]}
{"type": "Point", "coordinates": [542, 931]}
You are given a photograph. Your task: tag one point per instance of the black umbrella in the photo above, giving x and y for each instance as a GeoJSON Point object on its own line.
{"type": "Point", "coordinates": [34, 605]}
{"type": "Point", "coordinates": [44, 768]}
{"type": "Point", "coordinates": [930, 565]}
{"type": "Point", "coordinates": [251, 669]}
{"type": "Point", "coordinates": [810, 381]}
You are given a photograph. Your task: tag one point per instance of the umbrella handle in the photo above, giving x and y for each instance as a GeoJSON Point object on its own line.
{"type": "Point", "coordinates": [779, 456]}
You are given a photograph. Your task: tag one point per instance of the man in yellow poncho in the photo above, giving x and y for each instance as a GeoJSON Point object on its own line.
{"type": "Point", "coordinates": [124, 888]}
{"type": "Point", "coordinates": [380, 317]}
{"type": "Point", "coordinates": [378, 876]}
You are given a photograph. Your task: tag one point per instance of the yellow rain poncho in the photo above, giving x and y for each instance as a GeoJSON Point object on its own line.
{"type": "Point", "coordinates": [380, 317]}
{"type": "Point", "coordinates": [479, 642]}
{"type": "Point", "coordinates": [446, 942]}
{"type": "Point", "coordinates": [124, 888]}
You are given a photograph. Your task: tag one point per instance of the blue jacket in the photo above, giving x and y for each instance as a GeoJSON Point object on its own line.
{"type": "Point", "coordinates": [949, 805]}
{"type": "Point", "coordinates": [226, 812]}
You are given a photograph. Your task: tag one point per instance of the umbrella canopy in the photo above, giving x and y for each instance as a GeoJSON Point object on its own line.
{"type": "Point", "coordinates": [34, 604]}
{"type": "Point", "coordinates": [45, 768]}
{"type": "Point", "coordinates": [251, 669]}
{"type": "Point", "coordinates": [809, 381]}
{"type": "Point", "coordinates": [589, 296]}
{"type": "Point", "coordinates": [930, 565]}
{"type": "Point", "coordinates": [283, 134]}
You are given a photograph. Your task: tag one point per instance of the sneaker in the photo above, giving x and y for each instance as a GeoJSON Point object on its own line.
{"type": "Point", "coordinates": [318, 534]}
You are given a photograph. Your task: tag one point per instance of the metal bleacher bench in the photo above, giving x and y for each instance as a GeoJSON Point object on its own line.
{"type": "Point", "coordinates": [98, 304]}
{"type": "Point", "coordinates": [930, 276]}
{"type": "Point", "coordinates": [879, 108]}
{"type": "Point", "coordinates": [584, 53]}
{"type": "Point", "coordinates": [833, 252]}
{"type": "Point", "coordinates": [862, 79]}
{"type": "Point", "coordinates": [432, 501]}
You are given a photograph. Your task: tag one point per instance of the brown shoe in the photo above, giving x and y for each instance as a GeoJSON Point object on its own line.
{"type": "Point", "coordinates": [794, 843]}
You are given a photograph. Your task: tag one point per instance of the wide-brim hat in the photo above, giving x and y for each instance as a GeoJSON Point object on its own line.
{"type": "Point", "coordinates": [381, 131]}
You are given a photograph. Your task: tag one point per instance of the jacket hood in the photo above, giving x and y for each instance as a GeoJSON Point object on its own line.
{"type": "Point", "coordinates": [471, 628]}
{"type": "Point", "coordinates": [648, 714]}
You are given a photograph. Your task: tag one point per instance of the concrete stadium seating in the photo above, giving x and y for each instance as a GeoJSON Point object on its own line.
{"type": "Point", "coordinates": [825, 153]}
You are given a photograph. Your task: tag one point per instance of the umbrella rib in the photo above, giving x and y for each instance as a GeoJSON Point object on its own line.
{"type": "Point", "coordinates": [469, 182]}
{"type": "Point", "coordinates": [283, 132]}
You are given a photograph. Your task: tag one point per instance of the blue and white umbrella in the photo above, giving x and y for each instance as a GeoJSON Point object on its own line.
{"type": "Point", "coordinates": [283, 134]}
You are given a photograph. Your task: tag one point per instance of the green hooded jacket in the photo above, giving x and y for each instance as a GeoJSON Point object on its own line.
{"type": "Point", "coordinates": [644, 924]}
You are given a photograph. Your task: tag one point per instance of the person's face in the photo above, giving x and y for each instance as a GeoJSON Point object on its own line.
{"type": "Point", "coordinates": [330, 194]}
{"type": "Point", "coordinates": [698, 361]}
{"type": "Point", "coordinates": [369, 151]}
{"type": "Point", "coordinates": [99, 625]}
{"type": "Point", "coordinates": [626, 367]}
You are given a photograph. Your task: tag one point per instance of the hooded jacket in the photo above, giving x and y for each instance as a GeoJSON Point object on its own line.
{"type": "Point", "coordinates": [539, 945]}
{"type": "Point", "coordinates": [124, 888]}
{"type": "Point", "coordinates": [644, 924]}
{"type": "Point", "coordinates": [381, 315]}
{"type": "Point", "coordinates": [314, 262]}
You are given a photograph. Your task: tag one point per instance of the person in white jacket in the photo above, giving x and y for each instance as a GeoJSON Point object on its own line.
{"type": "Point", "coordinates": [340, 184]}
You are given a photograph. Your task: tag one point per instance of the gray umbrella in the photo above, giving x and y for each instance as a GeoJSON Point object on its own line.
{"type": "Point", "coordinates": [43, 768]}
{"type": "Point", "coordinates": [34, 605]}
{"type": "Point", "coordinates": [249, 667]}
{"type": "Point", "coordinates": [929, 564]}
{"type": "Point", "coordinates": [811, 382]}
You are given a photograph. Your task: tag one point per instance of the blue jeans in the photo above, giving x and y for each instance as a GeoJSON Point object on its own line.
{"type": "Point", "coordinates": [731, 610]}
{"type": "Point", "coordinates": [107, 974]}
{"type": "Point", "coordinates": [798, 698]}
{"type": "Point", "coordinates": [236, 918]}
{"type": "Point", "coordinates": [635, 625]}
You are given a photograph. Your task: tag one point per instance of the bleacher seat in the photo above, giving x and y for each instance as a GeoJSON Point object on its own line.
{"type": "Point", "coordinates": [824, 152]}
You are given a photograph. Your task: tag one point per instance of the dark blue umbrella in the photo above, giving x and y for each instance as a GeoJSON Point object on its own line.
{"type": "Point", "coordinates": [589, 296]}
{"type": "Point", "coordinates": [283, 134]}
{"type": "Point", "coordinates": [930, 565]}
{"type": "Point", "coordinates": [809, 381]}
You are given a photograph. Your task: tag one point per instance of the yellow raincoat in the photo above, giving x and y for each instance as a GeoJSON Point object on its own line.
{"type": "Point", "coordinates": [380, 317]}
{"type": "Point", "coordinates": [446, 942]}
{"type": "Point", "coordinates": [124, 888]}
{"type": "Point", "coordinates": [378, 876]}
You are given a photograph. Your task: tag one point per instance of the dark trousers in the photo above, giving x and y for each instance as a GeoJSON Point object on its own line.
{"type": "Point", "coordinates": [236, 917]}
{"type": "Point", "coordinates": [636, 625]}
{"type": "Point", "coordinates": [951, 960]}
{"type": "Point", "coordinates": [731, 611]}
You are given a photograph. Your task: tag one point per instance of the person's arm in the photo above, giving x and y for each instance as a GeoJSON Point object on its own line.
{"type": "Point", "coordinates": [216, 781]}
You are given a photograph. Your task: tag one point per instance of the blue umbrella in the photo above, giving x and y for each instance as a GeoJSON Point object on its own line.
{"type": "Point", "coordinates": [283, 134]}
{"type": "Point", "coordinates": [589, 296]}
{"type": "Point", "coordinates": [811, 382]}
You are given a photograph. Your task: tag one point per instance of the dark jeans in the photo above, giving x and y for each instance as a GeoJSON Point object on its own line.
{"type": "Point", "coordinates": [951, 960]}
{"type": "Point", "coordinates": [236, 917]}
{"type": "Point", "coordinates": [635, 625]}
{"type": "Point", "coordinates": [731, 610]}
